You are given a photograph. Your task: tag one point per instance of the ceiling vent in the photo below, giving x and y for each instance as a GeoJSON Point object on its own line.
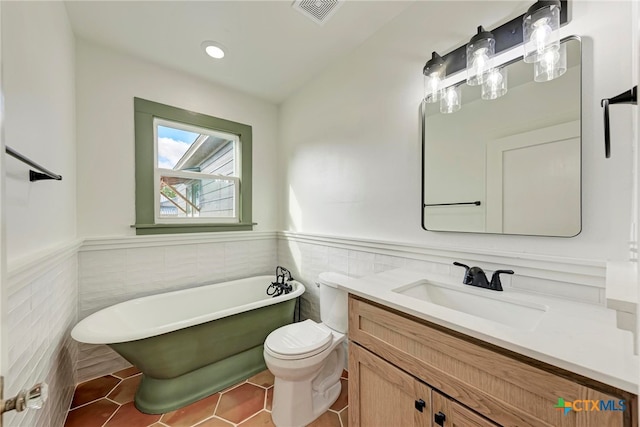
{"type": "Point", "coordinates": [318, 10]}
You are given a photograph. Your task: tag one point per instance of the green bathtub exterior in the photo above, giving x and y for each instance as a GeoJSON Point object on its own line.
{"type": "Point", "coordinates": [183, 366]}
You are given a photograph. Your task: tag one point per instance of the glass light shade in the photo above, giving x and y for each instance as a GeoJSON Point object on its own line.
{"type": "Point", "coordinates": [495, 84]}
{"type": "Point", "coordinates": [434, 72]}
{"type": "Point", "coordinates": [451, 99]}
{"type": "Point", "coordinates": [432, 84]}
{"type": "Point", "coordinates": [480, 51]}
{"type": "Point", "coordinates": [541, 30]}
{"type": "Point", "coordinates": [551, 65]}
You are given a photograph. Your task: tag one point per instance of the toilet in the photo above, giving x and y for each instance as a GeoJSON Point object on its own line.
{"type": "Point", "coordinates": [307, 358]}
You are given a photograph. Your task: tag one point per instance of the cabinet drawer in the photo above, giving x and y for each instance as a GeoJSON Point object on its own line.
{"type": "Point", "coordinates": [499, 386]}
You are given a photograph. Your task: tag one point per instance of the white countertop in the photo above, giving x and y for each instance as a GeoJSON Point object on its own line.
{"type": "Point", "coordinates": [581, 338]}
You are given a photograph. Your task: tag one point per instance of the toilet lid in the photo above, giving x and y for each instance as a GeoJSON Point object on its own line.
{"type": "Point", "coordinates": [299, 339]}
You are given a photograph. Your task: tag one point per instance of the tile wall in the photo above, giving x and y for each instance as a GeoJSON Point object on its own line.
{"type": "Point", "coordinates": [41, 310]}
{"type": "Point", "coordinates": [308, 255]}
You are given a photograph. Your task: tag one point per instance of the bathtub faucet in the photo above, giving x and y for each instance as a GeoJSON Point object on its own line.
{"type": "Point", "coordinates": [281, 285]}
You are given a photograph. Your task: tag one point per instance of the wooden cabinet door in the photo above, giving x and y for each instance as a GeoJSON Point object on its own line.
{"type": "Point", "coordinates": [381, 395]}
{"type": "Point", "coordinates": [449, 413]}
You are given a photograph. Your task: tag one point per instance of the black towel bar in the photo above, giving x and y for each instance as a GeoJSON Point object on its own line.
{"type": "Point", "coordinates": [33, 175]}
{"type": "Point", "coordinates": [477, 203]}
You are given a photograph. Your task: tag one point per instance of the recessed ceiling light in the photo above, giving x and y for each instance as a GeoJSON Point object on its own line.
{"type": "Point", "coordinates": [213, 49]}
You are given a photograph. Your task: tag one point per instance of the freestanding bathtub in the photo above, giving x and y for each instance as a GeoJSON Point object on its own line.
{"type": "Point", "coordinates": [194, 342]}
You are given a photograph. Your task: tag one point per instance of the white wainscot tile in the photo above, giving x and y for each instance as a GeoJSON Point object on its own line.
{"type": "Point", "coordinates": [320, 254]}
{"type": "Point", "coordinates": [211, 264]}
{"type": "Point", "coordinates": [338, 252]}
{"type": "Point", "coordinates": [236, 258]}
{"type": "Point", "coordinates": [113, 259]}
{"type": "Point", "coordinates": [390, 260]}
{"type": "Point", "coordinates": [359, 268]}
{"type": "Point", "coordinates": [338, 264]}
{"type": "Point", "coordinates": [427, 266]}
{"type": "Point", "coordinates": [362, 256]}
{"type": "Point", "coordinates": [234, 250]}
{"type": "Point", "coordinates": [261, 246]}
{"type": "Point", "coordinates": [181, 265]}
{"type": "Point", "coordinates": [310, 308]}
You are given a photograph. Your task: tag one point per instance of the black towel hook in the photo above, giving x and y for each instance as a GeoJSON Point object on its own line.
{"type": "Point", "coordinates": [628, 97]}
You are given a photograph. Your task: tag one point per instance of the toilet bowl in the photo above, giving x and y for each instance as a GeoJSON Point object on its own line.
{"type": "Point", "coordinates": [307, 359]}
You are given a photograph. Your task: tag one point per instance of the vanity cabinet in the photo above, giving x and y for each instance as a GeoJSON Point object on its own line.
{"type": "Point", "coordinates": [399, 364]}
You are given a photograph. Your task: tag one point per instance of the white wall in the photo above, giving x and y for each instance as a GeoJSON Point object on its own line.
{"type": "Point", "coordinates": [106, 83]}
{"type": "Point", "coordinates": [39, 89]}
{"type": "Point", "coordinates": [351, 138]}
{"type": "Point", "coordinates": [41, 288]}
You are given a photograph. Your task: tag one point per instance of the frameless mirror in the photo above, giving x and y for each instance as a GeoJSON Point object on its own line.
{"type": "Point", "coordinates": [511, 165]}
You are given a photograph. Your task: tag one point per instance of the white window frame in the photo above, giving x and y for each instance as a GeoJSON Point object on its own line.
{"type": "Point", "coordinates": [158, 172]}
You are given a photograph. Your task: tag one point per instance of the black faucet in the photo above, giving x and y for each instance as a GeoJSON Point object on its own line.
{"type": "Point", "coordinates": [475, 276]}
{"type": "Point", "coordinates": [281, 285]}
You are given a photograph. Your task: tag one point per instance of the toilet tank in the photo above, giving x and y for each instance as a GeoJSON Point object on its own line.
{"type": "Point", "coordinates": [333, 301]}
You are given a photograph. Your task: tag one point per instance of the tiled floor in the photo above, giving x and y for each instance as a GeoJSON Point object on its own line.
{"type": "Point", "coordinates": [108, 402]}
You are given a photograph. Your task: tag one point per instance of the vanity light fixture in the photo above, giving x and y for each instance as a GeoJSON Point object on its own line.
{"type": "Point", "coordinates": [480, 51]}
{"type": "Point", "coordinates": [213, 49]}
{"type": "Point", "coordinates": [434, 71]}
{"type": "Point", "coordinates": [537, 30]}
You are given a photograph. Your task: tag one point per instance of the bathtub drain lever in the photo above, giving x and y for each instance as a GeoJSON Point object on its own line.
{"type": "Point", "coordinates": [281, 285]}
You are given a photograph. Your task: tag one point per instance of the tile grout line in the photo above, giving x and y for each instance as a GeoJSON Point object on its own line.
{"type": "Point", "coordinates": [84, 404]}
{"type": "Point", "coordinates": [340, 415]}
{"type": "Point", "coordinates": [217, 404]}
{"type": "Point", "coordinates": [266, 395]}
{"type": "Point", "coordinates": [114, 387]}
{"type": "Point", "coordinates": [248, 418]}
{"type": "Point", "coordinates": [112, 415]}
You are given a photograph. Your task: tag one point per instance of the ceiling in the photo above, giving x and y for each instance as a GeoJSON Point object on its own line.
{"type": "Point", "coordinates": [271, 49]}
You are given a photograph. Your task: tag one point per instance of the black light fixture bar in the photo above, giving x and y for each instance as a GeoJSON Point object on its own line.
{"type": "Point", "coordinates": [506, 35]}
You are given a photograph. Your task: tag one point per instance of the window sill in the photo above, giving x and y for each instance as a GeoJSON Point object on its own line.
{"type": "Point", "coordinates": [144, 229]}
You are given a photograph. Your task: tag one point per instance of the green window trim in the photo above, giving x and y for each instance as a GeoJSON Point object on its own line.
{"type": "Point", "coordinates": [145, 161]}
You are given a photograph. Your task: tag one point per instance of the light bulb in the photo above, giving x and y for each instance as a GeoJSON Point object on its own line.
{"type": "Point", "coordinates": [432, 87]}
{"type": "Point", "coordinates": [433, 71]}
{"type": "Point", "coordinates": [552, 64]}
{"type": "Point", "coordinates": [480, 64]}
{"type": "Point", "coordinates": [480, 51]}
{"type": "Point", "coordinates": [495, 84]}
{"type": "Point", "coordinates": [450, 99]}
{"type": "Point", "coordinates": [549, 59]}
{"type": "Point", "coordinates": [541, 35]}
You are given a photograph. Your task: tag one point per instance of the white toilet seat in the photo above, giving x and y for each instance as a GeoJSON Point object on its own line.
{"type": "Point", "coordinates": [298, 340]}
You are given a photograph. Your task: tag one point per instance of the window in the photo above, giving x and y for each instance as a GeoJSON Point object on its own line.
{"type": "Point", "coordinates": [193, 172]}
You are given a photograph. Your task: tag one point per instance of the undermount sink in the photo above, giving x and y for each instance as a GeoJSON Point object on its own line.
{"type": "Point", "coordinates": [497, 308]}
